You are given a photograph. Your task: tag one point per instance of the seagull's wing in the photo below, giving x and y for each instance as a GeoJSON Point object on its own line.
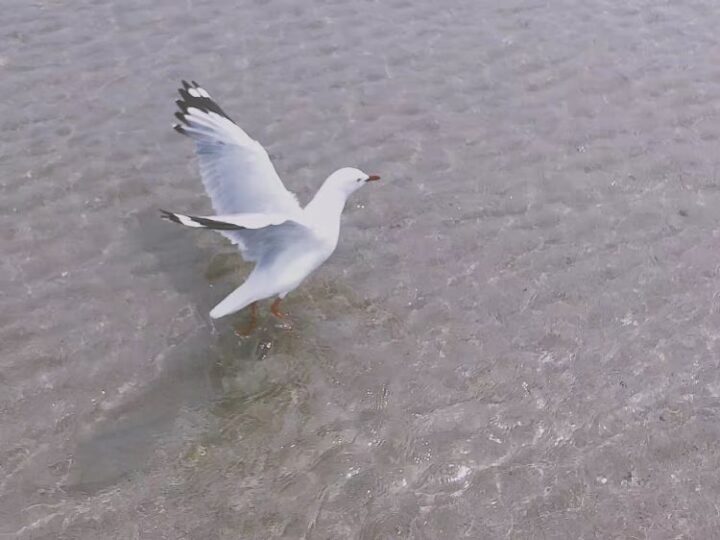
{"type": "Point", "coordinates": [261, 237]}
{"type": "Point", "coordinates": [231, 222]}
{"type": "Point", "coordinates": [236, 170]}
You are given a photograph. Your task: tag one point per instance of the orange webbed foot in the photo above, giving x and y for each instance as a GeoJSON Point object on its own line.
{"type": "Point", "coordinates": [275, 309]}
{"type": "Point", "coordinates": [286, 323]}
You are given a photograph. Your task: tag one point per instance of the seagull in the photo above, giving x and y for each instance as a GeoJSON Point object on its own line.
{"type": "Point", "coordinates": [253, 208]}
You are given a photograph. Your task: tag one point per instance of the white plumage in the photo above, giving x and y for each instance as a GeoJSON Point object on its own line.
{"type": "Point", "coordinates": [254, 209]}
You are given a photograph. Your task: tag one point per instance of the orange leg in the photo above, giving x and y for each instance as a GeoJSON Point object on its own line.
{"type": "Point", "coordinates": [247, 330]}
{"type": "Point", "coordinates": [275, 309]}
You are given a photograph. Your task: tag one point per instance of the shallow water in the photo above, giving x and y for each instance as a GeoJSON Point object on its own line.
{"type": "Point", "coordinates": [517, 337]}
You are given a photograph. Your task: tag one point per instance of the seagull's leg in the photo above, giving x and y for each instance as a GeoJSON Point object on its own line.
{"type": "Point", "coordinates": [275, 309]}
{"type": "Point", "coordinates": [247, 330]}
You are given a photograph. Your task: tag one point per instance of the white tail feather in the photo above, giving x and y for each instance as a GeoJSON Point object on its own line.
{"type": "Point", "coordinates": [235, 301]}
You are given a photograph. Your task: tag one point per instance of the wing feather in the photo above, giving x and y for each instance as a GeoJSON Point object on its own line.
{"type": "Point", "coordinates": [227, 223]}
{"type": "Point", "coordinates": [236, 170]}
{"type": "Point", "coordinates": [263, 235]}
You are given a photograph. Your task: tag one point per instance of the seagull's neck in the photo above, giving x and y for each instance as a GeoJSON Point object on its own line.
{"type": "Point", "coordinates": [325, 209]}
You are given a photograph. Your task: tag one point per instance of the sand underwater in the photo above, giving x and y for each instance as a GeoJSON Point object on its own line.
{"type": "Point", "coordinates": [517, 337]}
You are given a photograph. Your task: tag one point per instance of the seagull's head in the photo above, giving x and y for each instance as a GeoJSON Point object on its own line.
{"type": "Point", "coordinates": [349, 180]}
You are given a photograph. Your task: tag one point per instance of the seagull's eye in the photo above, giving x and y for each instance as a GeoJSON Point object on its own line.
{"type": "Point", "coordinates": [359, 180]}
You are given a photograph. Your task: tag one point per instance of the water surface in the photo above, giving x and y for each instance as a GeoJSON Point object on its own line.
{"type": "Point", "coordinates": [517, 337]}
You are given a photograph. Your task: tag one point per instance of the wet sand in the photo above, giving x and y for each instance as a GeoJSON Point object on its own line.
{"type": "Point", "coordinates": [517, 337]}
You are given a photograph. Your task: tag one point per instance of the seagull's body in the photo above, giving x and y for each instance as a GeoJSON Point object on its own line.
{"type": "Point", "coordinates": [254, 209]}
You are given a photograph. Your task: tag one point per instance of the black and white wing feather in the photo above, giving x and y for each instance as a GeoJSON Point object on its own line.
{"type": "Point", "coordinates": [261, 236]}
{"type": "Point", "coordinates": [236, 170]}
{"type": "Point", "coordinates": [232, 222]}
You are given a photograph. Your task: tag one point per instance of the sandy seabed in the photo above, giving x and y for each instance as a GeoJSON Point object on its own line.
{"type": "Point", "coordinates": [517, 337]}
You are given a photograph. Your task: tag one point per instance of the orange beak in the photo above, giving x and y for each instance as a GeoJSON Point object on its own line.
{"type": "Point", "coordinates": [373, 178]}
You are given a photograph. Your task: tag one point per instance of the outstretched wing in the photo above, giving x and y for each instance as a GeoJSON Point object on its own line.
{"type": "Point", "coordinates": [232, 222]}
{"type": "Point", "coordinates": [236, 170]}
{"type": "Point", "coordinates": [261, 236]}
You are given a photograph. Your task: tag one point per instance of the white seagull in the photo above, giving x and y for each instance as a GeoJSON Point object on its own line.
{"type": "Point", "coordinates": [255, 210]}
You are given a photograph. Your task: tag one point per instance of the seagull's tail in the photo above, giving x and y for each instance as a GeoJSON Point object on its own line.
{"type": "Point", "coordinates": [235, 301]}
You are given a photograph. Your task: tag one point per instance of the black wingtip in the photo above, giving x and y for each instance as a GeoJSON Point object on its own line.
{"type": "Point", "coordinates": [216, 225]}
{"type": "Point", "coordinates": [169, 216]}
{"type": "Point", "coordinates": [181, 105]}
{"type": "Point", "coordinates": [201, 102]}
{"type": "Point", "coordinates": [185, 95]}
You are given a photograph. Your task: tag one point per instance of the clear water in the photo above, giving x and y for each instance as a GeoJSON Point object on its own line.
{"type": "Point", "coordinates": [517, 337]}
